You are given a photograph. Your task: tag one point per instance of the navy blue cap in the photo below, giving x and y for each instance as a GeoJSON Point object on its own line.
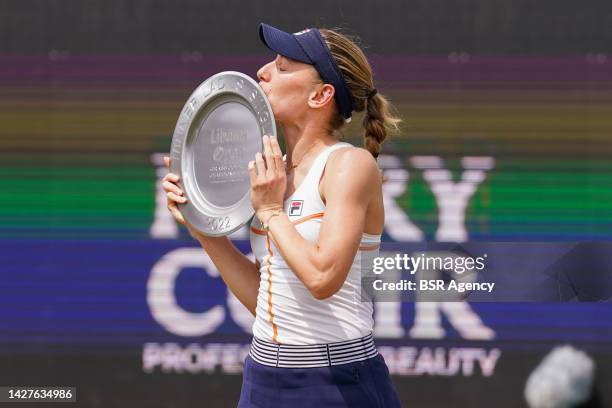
{"type": "Point", "coordinates": [308, 46]}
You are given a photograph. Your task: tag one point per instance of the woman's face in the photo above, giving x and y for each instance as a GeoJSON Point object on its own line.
{"type": "Point", "coordinates": [288, 84]}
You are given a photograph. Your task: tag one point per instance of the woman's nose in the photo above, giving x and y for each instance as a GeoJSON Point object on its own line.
{"type": "Point", "coordinates": [263, 73]}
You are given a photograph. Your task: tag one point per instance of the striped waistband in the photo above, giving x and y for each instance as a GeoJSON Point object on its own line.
{"type": "Point", "coordinates": [312, 355]}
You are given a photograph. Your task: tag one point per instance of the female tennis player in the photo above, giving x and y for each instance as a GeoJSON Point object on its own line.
{"type": "Point", "coordinates": [319, 216]}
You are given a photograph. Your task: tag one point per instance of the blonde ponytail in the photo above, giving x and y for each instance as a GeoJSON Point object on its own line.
{"type": "Point", "coordinates": [377, 119]}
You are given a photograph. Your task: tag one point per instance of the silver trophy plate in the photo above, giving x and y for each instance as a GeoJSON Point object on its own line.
{"type": "Point", "coordinates": [218, 132]}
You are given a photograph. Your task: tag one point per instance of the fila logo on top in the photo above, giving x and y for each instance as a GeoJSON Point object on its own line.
{"type": "Point", "coordinates": [296, 207]}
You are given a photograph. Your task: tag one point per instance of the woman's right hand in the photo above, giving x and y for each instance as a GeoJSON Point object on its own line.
{"type": "Point", "coordinates": [174, 194]}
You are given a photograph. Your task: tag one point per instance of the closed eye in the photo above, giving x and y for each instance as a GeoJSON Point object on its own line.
{"type": "Point", "coordinates": [280, 63]}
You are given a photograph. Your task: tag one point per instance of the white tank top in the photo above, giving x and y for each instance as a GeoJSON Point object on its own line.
{"type": "Point", "coordinates": [287, 313]}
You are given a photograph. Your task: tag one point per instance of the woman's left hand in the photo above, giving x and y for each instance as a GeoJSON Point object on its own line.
{"type": "Point", "coordinates": [268, 179]}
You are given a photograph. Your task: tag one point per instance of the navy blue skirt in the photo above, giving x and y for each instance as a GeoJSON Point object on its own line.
{"type": "Point", "coordinates": [361, 384]}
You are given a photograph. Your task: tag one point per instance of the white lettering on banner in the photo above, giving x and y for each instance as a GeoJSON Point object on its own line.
{"type": "Point", "coordinates": [428, 324]}
{"type": "Point", "coordinates": [397, 223]}
{"type": "Point", "coordinates": [440, 361]}
{"type": "Point", "coordinates": [452, 198]}
{"type": "Point", "coordinates": [164, 225]}
{"type": "Point", "coordinates": [388, 320]}
{"type": "Point", "coordinates": [427, 320]}
{"type": "Point", "coordinates": [387, 315]}
{"type": "Point", "coordinates": [194, 358]}
{"type": "Point", "coordinates": [228, 358]}
{"type": "Point", "coordinates": [167, 312]}
{"type": "Point", "coordinates": [452, 202]}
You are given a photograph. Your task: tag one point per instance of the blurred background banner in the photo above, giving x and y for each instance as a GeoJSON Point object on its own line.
{"type": "Point", "coordinates": [507, 136]}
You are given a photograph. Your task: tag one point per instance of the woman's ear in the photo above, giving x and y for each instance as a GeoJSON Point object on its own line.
{"type": "Point", "coordinates": [321, 96]}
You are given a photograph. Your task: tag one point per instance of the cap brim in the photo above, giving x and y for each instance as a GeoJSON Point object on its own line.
{"type": "Point", "coordinates": [282, 43]}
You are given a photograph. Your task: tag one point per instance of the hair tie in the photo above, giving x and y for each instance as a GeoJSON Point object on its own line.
{"type": "Point", "coordinates": [373, 92]}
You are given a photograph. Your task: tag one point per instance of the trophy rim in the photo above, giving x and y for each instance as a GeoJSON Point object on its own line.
{"type": "Point", "coordinates": [204, 216]}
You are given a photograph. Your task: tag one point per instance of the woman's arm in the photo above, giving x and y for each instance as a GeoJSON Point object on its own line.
{"type": "Point", "coordinates": [239, 273]}
{"type": "Point", "coordinates": [351, 180]}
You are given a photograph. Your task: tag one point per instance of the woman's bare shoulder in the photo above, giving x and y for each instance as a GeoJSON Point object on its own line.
{"type": "Point", "coordinates": [354, 159]}
{"type": "Point", "coordinates": [352, 165]}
